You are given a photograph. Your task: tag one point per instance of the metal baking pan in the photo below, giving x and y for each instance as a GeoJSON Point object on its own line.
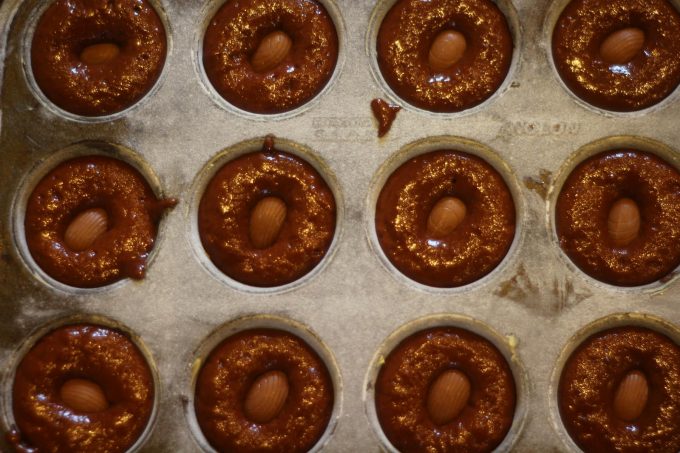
{"type": "Point", "coordinates": [355, 305]}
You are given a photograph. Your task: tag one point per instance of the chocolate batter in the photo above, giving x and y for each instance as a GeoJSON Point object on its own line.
{"type": "Point", "coordinates": [235, 33]}
{"type": "Point", "coordinates": [84, 183]}
{"type": "Point", "coordinates": [590, 379]}
{"type": "Point", "coordinates": [97, 353]}
{"type": "Point", "coordinates": [69, 26]}
{"type": "Point", "coordinates": [650, 77]}
{"type": "Point", "coordinates": [404, 380]}
{"type": "Point", "coordinates": [230, 371]}
{"type": "Point", "coordinates": [404, 41]}
{"type": "Point", "coordinates": [584, 203]}
{"type": "Point", "coordinates": [385, 113]}
{"type": "Point", "coordinates": [224, 216]}
{"type": "Point", "coordinates": [474, 248]}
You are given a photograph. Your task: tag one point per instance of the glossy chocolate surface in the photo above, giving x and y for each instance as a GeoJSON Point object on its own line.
{"type": "Point", "coordinates": [234, 34]}
{"type": "Point", "coordinates": [474, 248]}
{"type": "Point", "coordinates": [67, 27]}
{"type": "Point", "coordinates": [583, 207]}
{"type": "Point", "coordinates": [230, 371]}
{"type": "Point", "coordinates": [644, 81]}
{"type": "Point", "coordinates": [404, 41]}
{"type": "Point", "coordinates": [97, 353]}
{"type": "Point", "coordinates": [226, 205]}
{"type": "Point", "coordinates": [404, 381]}
{"type": "Point", "coordinates": [84, 183]}
{"type": "Point", "coordinates": [589, 381]}
{"type": "Point", "coordinates": [385, 113]}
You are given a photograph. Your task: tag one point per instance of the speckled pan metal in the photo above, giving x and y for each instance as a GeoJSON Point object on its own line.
{"type": "Point", "coordinates": [535, 131]}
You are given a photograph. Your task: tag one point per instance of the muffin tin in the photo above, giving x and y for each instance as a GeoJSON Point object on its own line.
{"type": "Point", "coordinates": [530, 306]}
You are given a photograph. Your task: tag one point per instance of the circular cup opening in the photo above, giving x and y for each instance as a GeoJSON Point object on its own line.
{"type": "Point", "coordinates": [606, 144]}
{"type": "Point", "coordinates": [551, 18]}
{"type": "Point", "coordinates": [208, 12]}
{"type": "Point", "coordinates": [39, 171]}
{"type": "Point", "coordinates": [506, 345]}
{"type": "Point", "coordinates": [18, 354]}
{"type": "Point", "coordinates": [381, 9]}
{"type": "Point", "coordinates": [27, 41]}
{"type": "Point", "coordinates": [263, 322]}
{"type": "Point", "coordinates": [609, 322]}
{"type": "Point", "coordinates": [215, 164]}
{"type": "Point", "coordinates": [424, 146]}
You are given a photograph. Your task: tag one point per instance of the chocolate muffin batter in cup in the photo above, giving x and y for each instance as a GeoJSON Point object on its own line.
{"type": "Point", "coordinates": [443, 56]}
{"type": "Point", "coordinates": [619, 56]}
{"type": "Point", "coordinates": [445, 218]}
{"type": "Point", "coordinates": [618, 387]}
{"type": "Point", "coordinates": [617, 217]}
{"type": "Point", "coordinates": [270, 57]}
{"type": "Point", "coordinates": [266, 218]}
{"type": "Point", "coordinates": [446, 383]}
{"type": "Point", "coordinates": [264, 383]}
{"type": "Point", "coordinates": [83, 386]}
{"type": "Point", "coordinates": [95, 58]}
{"type": "Point", "coordinates": [88, 217]}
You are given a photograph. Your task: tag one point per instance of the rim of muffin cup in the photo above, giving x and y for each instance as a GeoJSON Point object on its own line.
{"type": "Point", "coordinates": [261, 321]}
{"type": "Point", "coordinates": [507, 345]}
{"type": "Point", "coordinates": [209, 10]}
{"type": "Point", "coordinates": [612, 321]}
{"type": "Point", "coordinates": [552, 15]}
{"type": "Point", "coordinates": [379, 12]}
{"type": "Point", "coordinates": [17, 355]}
{"type": "Point", "coordinates": [34, 88]}
{"type": "Point", "coordinates": [424, 146]}
{"type": "Point", "coordinates": [232, 152]}
{"type": "Point", "coordinates": [612, 143]}
{"type": "Point", "coordinates": [39, 170]}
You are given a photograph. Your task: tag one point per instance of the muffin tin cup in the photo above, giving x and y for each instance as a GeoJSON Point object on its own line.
{"type": "Point", "coordinates": [40, 170]}
{"type": "Point", "coordinates": [7, 377]}
{"type": "Point", "coordinates": [657, 148]}
{"type": "Point", "coordinates": [608, 322]}
{"type": "Point", "coordinates": [551, 18]}
{"type": "Point", "coordinates": [381, 9]}
{"type": "Point", "coordinates": [208, 12]}
{"type": "Point", "coordinates": [215, 164]}
{"type": "Point", "coordinates": [424, 146]}
{"type": "Point", "coordinates": [35, 15]}
{"type": "Point", "coordinates": [506, 345]}
{"type": "Point", "coordinates": [262, 322]}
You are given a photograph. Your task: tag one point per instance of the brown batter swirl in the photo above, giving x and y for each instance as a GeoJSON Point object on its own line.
{"type": "Point", "coordinates": [409, 370]}
{"type": "Point", "coordinates": [230, 371]}
{"type": "Point", "coordinates": [584, 203]}
{"type": "Point", "coordinates": [404, 40]}
{"type": "Point", "coordinates": [99, 354]}
{"type": "Point", "coordinates": [474, 248]}
{"type": "Point", "coordinates": [647, 79]}
{"type": "Point", "coordinates": [385, 113]}
{"type": "Point", "coordinates": [68, 26]}
{"type": "Point", "coordinates": [590, 378]}
{"type": "Point", "coordinates": [226, 205]}
{"type": "Point", "coordinates": [235, 33]}
{"type": "Point", "coordinates": [84, 183]}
